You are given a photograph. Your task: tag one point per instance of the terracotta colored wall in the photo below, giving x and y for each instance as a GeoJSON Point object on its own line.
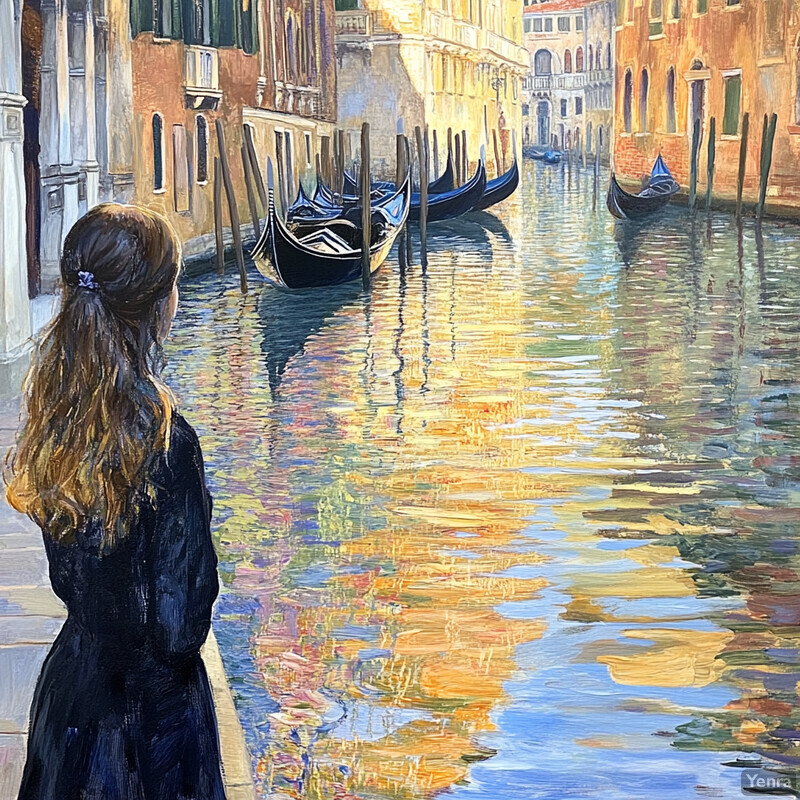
{"type": "Point", "coordinates": [724, 38]}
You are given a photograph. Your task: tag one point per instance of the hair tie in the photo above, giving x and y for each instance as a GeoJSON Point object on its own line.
{"type": "Point", "coordinates": [86, 280]}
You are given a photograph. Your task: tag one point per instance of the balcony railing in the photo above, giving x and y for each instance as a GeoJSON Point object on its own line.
{"type": "Point", "coordinates": [566, 81]}
{"type": "Point", "coordinates": [201, 77]}
{"type": "Point", "coordinates": [600, 75]}
{"type": "Point", "coordinates": [354, 23]}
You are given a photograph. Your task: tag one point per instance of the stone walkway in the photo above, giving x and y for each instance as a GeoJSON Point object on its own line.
{"type": "Point", "coordinates": [30, 618]}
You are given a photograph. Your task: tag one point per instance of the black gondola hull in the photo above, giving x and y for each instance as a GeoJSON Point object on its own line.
{"type": "Point", "coordinates": [624, 205]}
{"type": "Point", "coordinates": [499, 188]}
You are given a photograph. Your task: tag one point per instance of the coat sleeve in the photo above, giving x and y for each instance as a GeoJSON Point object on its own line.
{"type": "Point", "coordinates": [183, 564]}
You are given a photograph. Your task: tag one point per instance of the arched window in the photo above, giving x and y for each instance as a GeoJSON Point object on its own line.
{"type": "Point", "coordinates": [291, 49]}
{"type": "Point", "coordinates": [589, 138]}
{"type": "Point", "coordinates": [627, 102]}
{"type": "Point", "coordinates": [644, 84]}
{"type": "Point", "coordinates": [598, 61]}
{"type": "Point", "coordinates": [600, 139]}
{"type": "Point", "coordinates": [567, 61]}
{"type": "Point", "coordinates": [591, 57]}
{"type": "Point", "coordinates": [609, 65]}
{"type": "Point", "coordinates": [543, 62]}
{"type": "Point", "coordinates": [202, 148]}
{"type": "Point", "coordinates": [671, 123]}
{"type": "Point", "coordinates": [158, 152]}
{"type": "Point", "coordinates": [579, 60]}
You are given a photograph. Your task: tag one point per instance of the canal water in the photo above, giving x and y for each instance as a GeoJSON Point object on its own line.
{"type": "Point", "coordinates": [521, 524]}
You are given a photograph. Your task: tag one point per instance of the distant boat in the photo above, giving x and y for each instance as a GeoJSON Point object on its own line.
{"type": "Point", "coordinates": [326, 252]}
{"type": "Point", "coordinates": [552, 156]}
{"type": "Point", "coordinates": [660, 188]}
{"type": "Point", "coordinates": [534, 151]}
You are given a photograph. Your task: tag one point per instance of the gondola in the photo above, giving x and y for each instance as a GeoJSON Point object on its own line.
{"type": "Point", "coordinates": [316, 253]}
{"type": "Point", "coordinates": [551, 156]}
{"type": "Point", "coordinates": [448, 205]}
{"type": "Point", "coordinates": [498, 189]}
{"type": "Point", "coordinates": [445, 205]}
{"type": "Point", "coordinates": [444, 183]}
{"type": "Point", "coordinates": [660, 188]}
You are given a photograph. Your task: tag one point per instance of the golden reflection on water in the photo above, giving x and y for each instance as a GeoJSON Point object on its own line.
{"type": "Point", "coordinates": [390, 473]}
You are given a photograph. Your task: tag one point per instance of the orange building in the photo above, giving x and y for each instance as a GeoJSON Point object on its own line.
{"type": "Point", "coordinates": [678, 61]}
{"type": "Point", "coordinates": [240, 62]}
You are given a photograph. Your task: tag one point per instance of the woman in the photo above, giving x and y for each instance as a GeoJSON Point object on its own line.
{"type": "Point", "coordinates": [113, 475]}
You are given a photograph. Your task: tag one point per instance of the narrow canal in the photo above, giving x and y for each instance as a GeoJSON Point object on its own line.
{"type": "Point", "coordinates": [523, 524]}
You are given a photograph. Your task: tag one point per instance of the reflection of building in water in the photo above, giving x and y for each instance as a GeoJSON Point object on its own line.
{"type": "Point", "coordinates": [568, 91]}
{"type": "Point", "coordinates": [445, 65]}
{"type": "Point", "coordinates": [678, 62]}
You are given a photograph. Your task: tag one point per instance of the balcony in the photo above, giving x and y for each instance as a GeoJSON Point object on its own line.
{"type": "Point", "coordinates": [356, 24]}
{"type": "Point", "coordinates": [201, 77]}
{"type": "Point", "coordinates": [570, 81]}
{"type": "Point", "coordinates": [305, 101]}
{"type": "Point", "coordinates": [600, 75]}
{"type": "Point", "coordinates": [540, 83]}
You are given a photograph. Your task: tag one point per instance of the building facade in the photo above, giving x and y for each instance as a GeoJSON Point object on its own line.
{"type": "Point", "coordinates": [444, 64]}
{"type": "Point", "coordinates": [268, 65]}
{"type": "Point", "coordinates": [684, 60]}
{"type": "Point", "coordinates": [117, 100]}
{"type": "Point", "coordinates": [569, 87]}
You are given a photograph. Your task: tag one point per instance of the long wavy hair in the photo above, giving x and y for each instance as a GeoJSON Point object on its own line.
{"type": "Point", "coordinates": [95, 413]}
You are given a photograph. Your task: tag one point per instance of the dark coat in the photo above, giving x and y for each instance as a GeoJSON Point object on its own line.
{"type": "Point", "coordinates": [123, 709]}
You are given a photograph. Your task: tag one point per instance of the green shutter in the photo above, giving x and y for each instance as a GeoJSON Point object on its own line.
{"type": "Point", "coordinates": [733, 97]}
{"type": "Point", "coordinates": [702, 6]}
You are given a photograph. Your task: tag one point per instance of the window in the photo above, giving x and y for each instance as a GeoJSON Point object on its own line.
{"type": "Point", "coordinates": [201, 127]}
{"type": "Point", "coordinates": [644, 83]}
{"type": "Point", "coordinates": [563, 108]}
{"type": "Point", "coordinates": [543, 62]}
{"type": "Point", "coordinates": [548, 24]}
{"type": "Point", "coordinates": [567, 61]}
{"type": "Point", "coordinates": [609, 64]}
{"type": "Point", "coordinates": [180, 169]}
{"type": "Point", "coordinates": [158, 153]}
{"type": "Point", "coordinates": [620, 11]}
{"type": "Point", "coordinates": [579, 60]}
{"type": "Point", "coordinates": [733, 102]}
{"type": "Point", "coordinates": [671, 122]}
{"type": "Point", "coordinates": [537, 25]}
{"type": "Point", "coordinates": [627, 102]}
{"type": "Point", "coordinates": [674, 9]}
{"type": "Point", "coordinates": [578, 105]}
{"type": "Point", "coordinates": [346, 5]}
{"type": "Point", "coordinates": [773, 36]}
{"type": "Point", "coordinates": [563, 24]}
{"type": "Point", "coordinates": [733, 2]}
{"type": "Point", "coordinates": [308, 148]}
{"type": "Point", "coordinates": [591, 57]}
{"type": "Point", "coordinates": [578, 23]}
{"type": "Point", "coordinates": [526, 25]}
{"type": "Point", "coordinates": [656, 23]}
{"type": "Point", "coordinates": [701, 6]}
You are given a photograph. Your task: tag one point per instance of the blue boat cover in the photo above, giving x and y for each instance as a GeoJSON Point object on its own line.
{"type": "Point", "coordinates": [660, 170]}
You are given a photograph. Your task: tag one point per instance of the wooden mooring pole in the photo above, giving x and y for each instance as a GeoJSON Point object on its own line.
{"type": "Point", "coordinates": [459, 163]}
{"type": "Point", "coordinates": [693, 165]}
{"type": "Point", "coordinates": [742, 162]}
{"type": "Point", "coordinates": [218, 217]}
{"type": "Point", "coordinates": [712, 152]}
{"type": "Point", "coordinates": [410, 163]}
{"type": "Point", "coordinates": [251, 197]}
{"type": "Point", "coordinates": [422, 155]}
{"type": "Point", "coordinates": [366, 208]}
{"type": "Point", "coordinates": [464, 157]}
{"type": "Point", "coordinates": [496, 154]}
{"type": "Point", "coordinates": [399, 176]}
{"type": "Point", "coordinates": [766, 161]}
{"type": "Point", "coordinates": [254, 168]}
{"type": "Point", "coordinates": [233, 210]}
{"type": "Point", "coordinates": [435, 154]}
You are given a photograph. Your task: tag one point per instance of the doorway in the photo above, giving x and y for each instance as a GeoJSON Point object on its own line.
{"type": "Point", "coordinates": [543, 122]}
{"type": "Point", "coordinates": [31, 90]}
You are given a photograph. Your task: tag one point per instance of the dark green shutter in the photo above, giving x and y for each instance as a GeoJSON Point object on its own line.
{"type": "Point", "coordinates": [733, 98]}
